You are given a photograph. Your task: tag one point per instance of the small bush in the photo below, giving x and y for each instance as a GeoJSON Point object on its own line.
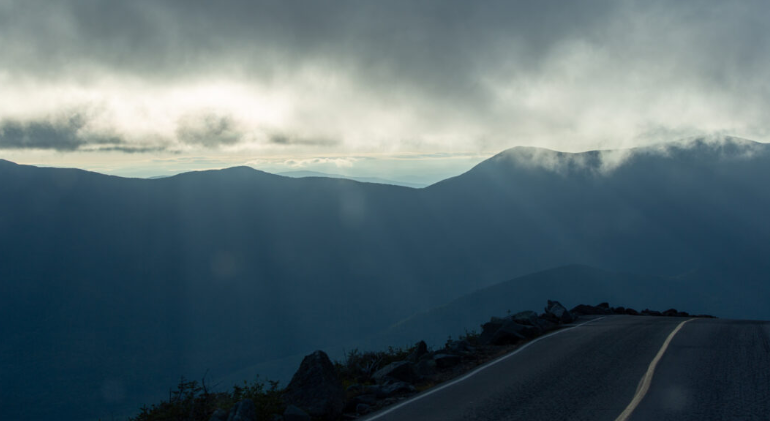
{"type": "Point", "coordinates": [192, 401]}
{"type": "Point", "coordinates": [358, 367]}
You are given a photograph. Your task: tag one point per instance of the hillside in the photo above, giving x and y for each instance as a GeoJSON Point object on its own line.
{"type": "Point", "coordinates": [112, 285]}
{"type": "Point", "coordinates": [577, 282]}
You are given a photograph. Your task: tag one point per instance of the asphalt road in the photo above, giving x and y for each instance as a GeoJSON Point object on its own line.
{"type": "Point", "coordinates": [711, 370]}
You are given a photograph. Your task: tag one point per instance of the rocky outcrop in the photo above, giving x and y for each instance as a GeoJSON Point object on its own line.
{"type": "Point", "coordinates": [316, 392]}
{"type": "Point", "coordinates": [557, 312]}
{"type": "Point", "coordinates": [526, 318]}
{"type": "Point", "coordinates": [243, 411]}
{"type": "Point", "coordinates": [219, 415]}
{"type": "Point", "coordinates": [400, 370]}
{"type": "Point", "coordinates": [522, 326]}
{"type": "Point", "coordinates": [605, 309]}
{"type": "Point", "coordinates": [420, 350]}
{"type": "Point", "coordinates": [292, 413]}
{"type": "Point", "coordinates": [512, 333]}
{"type": "Point", "coordinates": [426, 367]}
{"type": "Point", "coordinates": [446, 360]}
{"type": "Point", "coordinates": [316, 389]}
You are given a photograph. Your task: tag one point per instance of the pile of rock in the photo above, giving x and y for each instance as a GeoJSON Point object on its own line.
{"type": "Point", "coordinates": [242, 411]}
{"type": "Point", "coordinates": [605, 309]}
{"type": "Point", "coordinates": [316, 391]}
{"type": "Point", "coordinates": [524, 325]}
{"type": "Point", "coordinates": [399, 379]}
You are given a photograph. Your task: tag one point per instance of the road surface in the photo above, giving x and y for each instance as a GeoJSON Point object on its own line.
{"type": "Point", "coordinates": [710, 369]}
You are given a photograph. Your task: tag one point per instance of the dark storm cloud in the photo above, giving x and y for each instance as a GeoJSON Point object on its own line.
{"type": "Point", "coordinates": [209, 129]}
{"type": "Point", "coordinates": [593, 69]}
{"type": "Point", "coordinates": [442, 47]}
{"type": "Point", "coordinates": [64, 134]}
{"type": "Point", "coordinates": [287, 139]}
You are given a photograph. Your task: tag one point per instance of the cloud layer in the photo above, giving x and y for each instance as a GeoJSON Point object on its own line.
{"type": "Point", "coordinates": [365, 76]}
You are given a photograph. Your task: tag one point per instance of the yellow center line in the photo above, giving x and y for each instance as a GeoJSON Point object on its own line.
{"type": "Point", "coordinates": [644, 384]}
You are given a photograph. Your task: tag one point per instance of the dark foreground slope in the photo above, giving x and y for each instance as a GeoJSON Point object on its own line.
{"type": "Point", "coordinates": [109, 286]}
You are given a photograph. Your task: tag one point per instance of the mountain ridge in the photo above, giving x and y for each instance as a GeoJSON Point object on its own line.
{"type": "Point", "coordinates": [161, 272]}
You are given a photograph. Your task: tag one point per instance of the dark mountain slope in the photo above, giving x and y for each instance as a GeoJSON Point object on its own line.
{"type": "Point", "coordinates": [701, 207]}
{"type": "Point", "coordinates": [122, 284]}
{"type": "Point", "coordinates": [575, 283]}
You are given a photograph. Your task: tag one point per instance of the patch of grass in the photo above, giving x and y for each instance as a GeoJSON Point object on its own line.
{"type": "Point", "coordinates": [192, 401]}
{"type": "Point", "coordinates": [358, 367]}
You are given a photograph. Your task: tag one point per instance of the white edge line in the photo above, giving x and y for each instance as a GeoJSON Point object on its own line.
{"type": "Point", "coordinates": [476, 371]}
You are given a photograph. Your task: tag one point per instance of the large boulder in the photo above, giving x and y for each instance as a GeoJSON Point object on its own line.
{"type": "Point", "coordinates": [511, 333]}
{"type": "Point", "coordinates": [400, 370]}
{"type": "Point", "coordinates": [396, 388]}
{"type": "Point", "coordinates": [588, 310]}
{"type": "Point", "coordinates": [507, 332]}
{"type": "Point", "coordinates": [420, 350]}
{"type": "Point", "coordinates": [672, 312]}
{"type": "Point", "coordinates": [446, 360]}
{"type": "Point", "coordinates": [426, 367]}
{"type": "Point", "coordinates": [243, 411]}
{"type": "Point", "coordinates": [459, 348]}
{"type": "Point", "coordinates": [489, 329]}
{"type": "Point", "coordinates": [316, 388]}
{"type": "Point", "coordinates": [382, 391]}
{"type": "Point", "coordinates": [528, 317]}
{"type": "Point", "coordinates": [292, 413]}
{"type": "Point", "coordinates": [556, 311]}
{"type": "Point", "coordinates": [219, 415]}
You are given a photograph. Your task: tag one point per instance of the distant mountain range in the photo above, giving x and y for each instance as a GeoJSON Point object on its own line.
{"type": "Point", "coordinates": [110, 288]}
{"type": "Point", "coordinates": [377, 180]}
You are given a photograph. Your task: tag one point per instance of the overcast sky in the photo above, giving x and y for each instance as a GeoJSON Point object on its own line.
{"type": "Point", "coordinates": [145, 87]}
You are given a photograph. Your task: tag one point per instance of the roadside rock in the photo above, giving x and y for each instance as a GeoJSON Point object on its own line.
{"type": "Point", "coordinates": [426, 367]}
{"type": "Point", "coordinates": [489, 329]}
{"type": "Point", "coordinates": [368, 399]}
{"type": "Point", "coordinates": [400, 370]}
{"type": "Point", "coordinates": [512, 333]}
{"type": "Point", "coordinates": [459, 348]}
{"type": "Point", "coordinates": [292, 413]}
{"type": "Point", "coordinates": [558, 312]}
{"type": "Point", "coordinates": [219, 415]}
{"type": "Point", "coordinates": [383, 391]}
{"type": "Point", "coordinates": [363, 408]}
{"type": "Point", "coordinates": [354, 388]}
{"type": "Point", "coordinates": [316, 389]}
{"type": "Point", "coordinates": [420, 350]}
{"type": "Point", "coordinates": [396, 388]}
{"type": "Point", "coordinates": [547, 322]}
{"type": "Point", "coordinates": [446, 360]}
{"type": "Point", "coordinates": [243, 411]}
{"type": "Point", "coordinates": [588, 310]}
{"type": "Point", "coordinates": [528, 317]}
{"type": "Point", "coordinates": [509, 331]}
